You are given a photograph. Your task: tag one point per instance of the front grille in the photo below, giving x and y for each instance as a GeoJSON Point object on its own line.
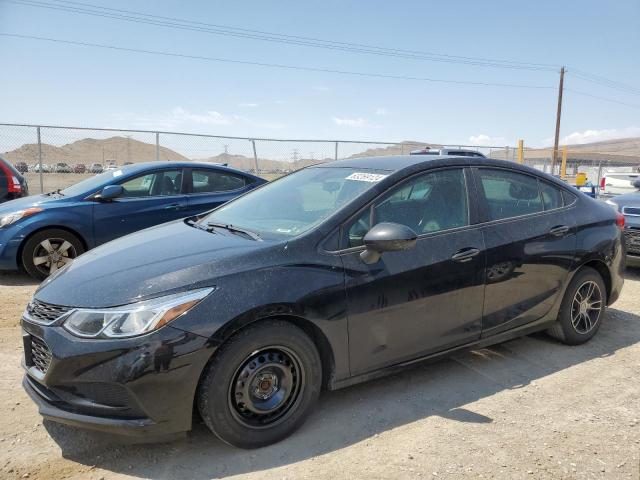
{"type": "Point", "coordinates": [40, 354]}
{"type": "Point", "coordinates": [633, 211]}
{"type": "Point", "coordinates": [632, 240]}
{"type": "Point", "coordinates": [44, 312]}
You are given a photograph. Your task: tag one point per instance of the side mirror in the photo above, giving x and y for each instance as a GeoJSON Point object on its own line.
{"type": "Point", "coordinates": [636, 183]}
{"type": "Point", "coordinates": [387, 237]}
{"type": "Point", "coordinates": [110, 192]}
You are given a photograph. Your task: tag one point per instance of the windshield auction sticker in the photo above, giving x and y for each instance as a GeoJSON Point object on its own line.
{"type": "Point", "coordinates": [366, 177]}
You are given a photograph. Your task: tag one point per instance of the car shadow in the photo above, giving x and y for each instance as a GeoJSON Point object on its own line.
{"type": "Point", "coordinates": [354, 414]}
{"type": "Point", "coordinates": [16, 279]}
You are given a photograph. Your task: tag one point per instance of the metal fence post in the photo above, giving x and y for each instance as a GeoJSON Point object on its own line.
{"type": "Point", "coordinates": [255, 155]}
{"type": "Point", "coordinates": [158, 146]}
{"type": "Point", "coordinates": [336, 153]}
{"type": "Point", "coordinates": [40, 160]}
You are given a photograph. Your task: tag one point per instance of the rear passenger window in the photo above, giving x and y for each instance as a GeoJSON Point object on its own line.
{"type": "Point", "coordinates": [551, 196]}
{"type": "Point", "coordinates": [568, 198]}
{"type": "Point", "coordinates": [208, 181]}
{"type": "Point", "coordinates": [510, 194]}
{"type": "Point", "coordinates": [428, 203]}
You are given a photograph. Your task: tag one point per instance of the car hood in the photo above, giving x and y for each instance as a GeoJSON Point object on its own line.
{"type": "Point", "coordinates": [164, 259]}
{"type": "Point", "coordinates": [42, 201]}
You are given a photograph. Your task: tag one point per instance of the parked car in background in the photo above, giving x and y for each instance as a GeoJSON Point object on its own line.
{"type": "Point", "coordinates": [629, 205]}
{"type": "Point", "coordinates": [333, 275]}
{"type": "Point", "coordinates": [44, 168]}
{"type": "Point", "coordinates": [618, 183]}
{"type": "Point", "coordinates": [460, 152]}
{"type": "Point", "coordinates": [12, 184]}
{"type": "Point", "coordinates": [111, 168]}
{"type": "Point", "coordinates": [95, 168]}
{"type": "Point", "coordinates": [79, 168]}
{"type": "Point", "coordinates": [62, 167]}
{"type": "Point", "coordinates": [21, 167]}
{"type": "Point", "coordinates": [44, 232]}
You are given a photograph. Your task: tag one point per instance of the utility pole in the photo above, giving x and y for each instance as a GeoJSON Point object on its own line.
{"type": "Point", "coordinates": [558, 115]}
{"type": "Point", "coordinates": [295, 158]}
{"type": "Point", "coordinates": [226, 149]}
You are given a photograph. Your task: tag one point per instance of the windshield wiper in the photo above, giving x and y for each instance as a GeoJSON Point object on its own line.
{"type": "Point", "coordinates": [234, 229]}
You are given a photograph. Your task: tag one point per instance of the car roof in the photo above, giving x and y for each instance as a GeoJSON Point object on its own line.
{"type": "Point", "coordinates": [409, 164]}
{"type": "Point", "coordinates": [143, 166]}
{"type": "Point", "coordinates": [396, 163]}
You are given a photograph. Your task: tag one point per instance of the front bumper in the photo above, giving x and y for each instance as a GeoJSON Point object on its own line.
{"type": "Point", "coordinates": [138, 386]}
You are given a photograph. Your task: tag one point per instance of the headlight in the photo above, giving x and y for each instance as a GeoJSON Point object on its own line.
{"type": "Point", "coordinates": [13, 217]}
{"type": "Point", "coordinates": [134, 319]}
{"type": "Point", "coordinates": [613, 204]}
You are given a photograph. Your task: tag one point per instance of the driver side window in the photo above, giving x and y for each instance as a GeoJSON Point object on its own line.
{"type": "Point", "coordinates": [154, 184]}
{"type": "Point", "coordinates": [427, 203]}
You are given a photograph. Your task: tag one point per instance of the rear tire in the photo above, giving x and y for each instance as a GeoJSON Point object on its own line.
{"type": "Point", "coordinates": [582, 308]}
{"type": "Point", "coordinates": [49, 250]}
{"type": "Point", "coordinates": [261, 385]}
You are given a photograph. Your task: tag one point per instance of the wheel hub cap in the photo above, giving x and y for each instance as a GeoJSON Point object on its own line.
{"type": "Point", "coordinates": [265, 385]}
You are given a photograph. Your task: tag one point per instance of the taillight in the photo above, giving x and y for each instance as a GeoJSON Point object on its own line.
{"type": "Point", "coordinates": [14, 185]}
{"type": "Point", "coordinates": [602, 182]}
{"type": "Point", "coordinates": [620, 220]}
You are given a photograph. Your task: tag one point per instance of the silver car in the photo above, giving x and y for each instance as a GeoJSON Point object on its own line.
{"type": "Point", "coordinates": [629, 205]}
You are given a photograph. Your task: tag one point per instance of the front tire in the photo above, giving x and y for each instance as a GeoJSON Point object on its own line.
{"type": "Point", "coordinates": [582, 308]}
{"type": "Point", "coordinates": [49, 250]}
{"type": "Point", "coordinates": [261, 385]}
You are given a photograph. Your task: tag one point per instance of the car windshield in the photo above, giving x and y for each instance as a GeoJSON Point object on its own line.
{"type": "Point", "coordinates": [90, 184]}
{"type": "Point", "coordinates": [296, 203]}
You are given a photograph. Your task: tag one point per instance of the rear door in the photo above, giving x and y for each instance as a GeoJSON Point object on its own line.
{"type": "Point", "coordinates": [209, 188]}
{"type": "Point", "coordinates": [149, 199]}
{"type": "Point", "coordinates": [530, 239]}
{"type": "Point", "coordinates": [426, 299]}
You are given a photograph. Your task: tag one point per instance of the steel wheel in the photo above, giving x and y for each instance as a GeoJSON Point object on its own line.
{"type": "Point", "coordinates": [586, 307]}
{"type": "Point", "coordinates": [266, 387]}
{"type": "Point", "coordinates": [53, 253]}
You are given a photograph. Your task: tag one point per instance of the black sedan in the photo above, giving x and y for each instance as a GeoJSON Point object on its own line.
{"type": "Point", "coordinates": [332, 275]}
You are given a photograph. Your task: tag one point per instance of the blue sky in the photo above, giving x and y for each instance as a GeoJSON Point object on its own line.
{"type": "Point", "coordinates": [72, 85]}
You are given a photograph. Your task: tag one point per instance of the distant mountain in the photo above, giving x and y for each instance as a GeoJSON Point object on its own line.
{"type": "Point", "coordinates": [89, 150]}
{"type": "Point", "coordinates": [123, 149]}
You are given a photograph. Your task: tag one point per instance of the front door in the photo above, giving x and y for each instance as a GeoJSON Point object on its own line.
{"type": "Point", "coordinates": [148, 199]}
{"type": "Point", "coordinates": [426, 299]}
{"type": "Point", "coordinates": [530, 240]}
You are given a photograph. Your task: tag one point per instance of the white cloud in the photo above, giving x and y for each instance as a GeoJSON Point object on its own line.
{"type": "Point", "coordinates": [589, 136]}
{"type": "Point", "coordinates": [180, 115]}
{"type": "Point", "coordinates": [381, 111]}
{"type": "Point", "coordinates": [181, 119]}
{"type": "Point", "coordinates": [351, 122]}
{"type": "Point", "coordinates": [487, 140]}
{"type": "Point", "coordinates": [248, 105]}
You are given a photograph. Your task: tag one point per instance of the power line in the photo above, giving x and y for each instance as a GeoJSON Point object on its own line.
{"type": "Point", "coordinates": [183, 24]}
{"type": "Point", "coordinates": [606, 82]}
{"type": "Point", "coordinates": [601, 98]}
{"type": "Point", "coordinates": [275, 65]}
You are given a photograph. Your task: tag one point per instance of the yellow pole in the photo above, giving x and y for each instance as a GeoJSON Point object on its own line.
{"type": "Point", "coordinates": [563, 170]}
{"type": "Point", "coordinates": [520, 151]}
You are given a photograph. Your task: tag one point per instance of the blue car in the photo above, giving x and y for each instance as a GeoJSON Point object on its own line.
{"type": "Point", "coordinates": [42, 233]}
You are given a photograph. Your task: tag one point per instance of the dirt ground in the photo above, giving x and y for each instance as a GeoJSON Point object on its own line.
{"type": "Point", "coordinates": [528, 408]}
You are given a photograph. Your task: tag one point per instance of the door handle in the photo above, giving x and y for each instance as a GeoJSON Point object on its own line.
{"type": "Point", "coordinates": [559, 231]}
{"type": "Point", "coordinates": [173, 206]}
{"type": "Point", "coordinates": [465, 255]}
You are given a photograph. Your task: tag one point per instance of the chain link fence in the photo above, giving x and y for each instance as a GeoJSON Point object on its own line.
{"type": "Point", "coordinates": [53, 157]}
